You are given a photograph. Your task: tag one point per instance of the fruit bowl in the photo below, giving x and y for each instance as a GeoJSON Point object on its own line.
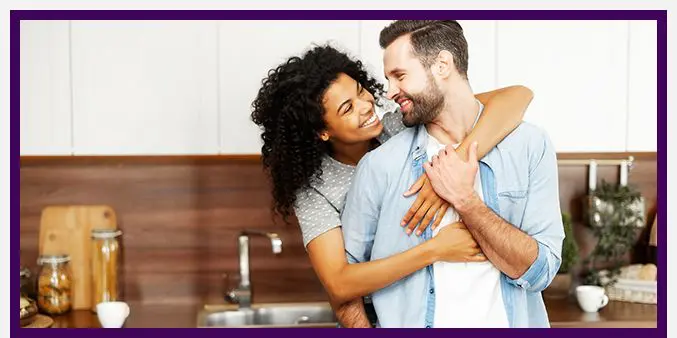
{"type": "Point", "coordinates": [28, 311]}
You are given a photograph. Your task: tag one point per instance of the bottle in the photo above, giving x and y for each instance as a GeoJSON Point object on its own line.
{"type": "Point", "coordinates": [55, 284]}
{"type": "Point", "coordinates": [105, 257]}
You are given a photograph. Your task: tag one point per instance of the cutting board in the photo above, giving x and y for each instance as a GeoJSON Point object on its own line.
{"type": "Point", "coordinates": [67, 230]}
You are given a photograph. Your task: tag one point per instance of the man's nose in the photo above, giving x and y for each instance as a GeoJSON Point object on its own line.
{"type": "Point", "coordinates": [392, 91]}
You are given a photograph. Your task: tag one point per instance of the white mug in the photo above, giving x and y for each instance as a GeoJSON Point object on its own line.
{"type": "Point", "coordinates": [112, 314]}
{"type": "Point", "coordinates": [591, 298]}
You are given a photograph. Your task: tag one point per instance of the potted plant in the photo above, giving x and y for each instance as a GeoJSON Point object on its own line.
{"type": "Point", "coordinates": [561, 284]}
{"type": "Point", "coordinates": [619, 214]}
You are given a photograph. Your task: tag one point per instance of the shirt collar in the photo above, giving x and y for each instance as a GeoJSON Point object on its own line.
{"type": "Point", "coordinates": [421, 137]}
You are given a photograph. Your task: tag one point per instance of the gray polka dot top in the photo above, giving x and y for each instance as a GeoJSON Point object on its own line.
{"type": "Point", "coordinates": [318, 209]}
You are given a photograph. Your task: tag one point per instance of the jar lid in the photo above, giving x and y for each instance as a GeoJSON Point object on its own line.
{"type": "Point", "coordinates": [105, 233]}
{"type": "Point", "coordinates": [53, 259]}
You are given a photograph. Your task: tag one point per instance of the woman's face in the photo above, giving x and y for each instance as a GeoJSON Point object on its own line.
{"type": "Point", "coordinates": [349, 112]}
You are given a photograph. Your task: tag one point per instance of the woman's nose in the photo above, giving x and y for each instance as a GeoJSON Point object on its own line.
{"type": "Point", "coordinates": [364, 107]}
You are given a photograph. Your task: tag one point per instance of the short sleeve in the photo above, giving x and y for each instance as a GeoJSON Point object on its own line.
{"type": "Point", "coordinates": [316, 215]}
{"type": "Point", "coordinates": [392, 125]}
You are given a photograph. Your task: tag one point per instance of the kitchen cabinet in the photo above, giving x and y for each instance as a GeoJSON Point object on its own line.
{"type": "Point", "coordinates": [371, 53]}
{"type": "Point", "coordinates": [186, 87]}
{"type": "Point", "coordinates": [247, 51]}
{"type": "Point", "coordinates": [642, 87]}
{"type": "Point", "coordinates": [145, 87]}
{"type": "Point", "coordinates": [45, 88]}
{"type": "Point", "coordinates": [481, 38]}
{"type": "Point", "coordinates": [579, 73]}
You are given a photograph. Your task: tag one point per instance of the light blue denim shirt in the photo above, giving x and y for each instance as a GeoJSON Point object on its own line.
{"type": "Point", "coordinates": [520, 184]}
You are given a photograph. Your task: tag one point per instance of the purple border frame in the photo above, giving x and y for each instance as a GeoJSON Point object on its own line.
{"type": "Point", "coordinates": [660, 16]}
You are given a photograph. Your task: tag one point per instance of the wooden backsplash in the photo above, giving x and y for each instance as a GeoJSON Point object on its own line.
{"type": "Point", "coordinates": [180, 218]}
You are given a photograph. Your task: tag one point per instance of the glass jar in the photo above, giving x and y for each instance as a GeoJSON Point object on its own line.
{"type": "Point", "coordinates": [27, 283]}
{"type": "Point", "coordinates": [105, 258]}
{"type": "Point", "coordinates": [54, 284]}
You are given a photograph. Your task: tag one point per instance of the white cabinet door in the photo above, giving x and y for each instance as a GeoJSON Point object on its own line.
{"type": "Point", "coordinates": [481, 38]}
{"type": "Point", "coordinates": [145, 87]}
{"type": "Point", "coordinates": [371, 56]}
{"type": "Point", "coordinates": [371, 53]}
{"type": "Point", "coordinates": [45, 88]}
{"type": "Point", "coordinates": [578, 71]}
{"type": "Point", "coordinates": [642, 109]}
{"type": "Point", "coordinates": [247, 51]}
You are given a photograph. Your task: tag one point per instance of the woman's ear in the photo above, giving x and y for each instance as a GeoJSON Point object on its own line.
{"type": "Point", "coordinates": [324, 136]}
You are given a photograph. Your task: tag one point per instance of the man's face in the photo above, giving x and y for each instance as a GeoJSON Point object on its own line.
{"type": "Point", "coordinates": [411, 84]}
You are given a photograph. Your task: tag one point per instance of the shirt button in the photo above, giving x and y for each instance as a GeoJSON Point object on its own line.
{"type": "Point", "coordinates": [427, 326]}
{"type": "Point", "coordinates": [432, 291]}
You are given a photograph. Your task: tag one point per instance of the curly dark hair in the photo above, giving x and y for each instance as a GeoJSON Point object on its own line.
{"type": "Point", "coordinates": [288, 108]}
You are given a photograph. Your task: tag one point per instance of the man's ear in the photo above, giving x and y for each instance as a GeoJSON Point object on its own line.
{"type": "Point", "coordinates": [444, 64]}
{"type": "Point", "coordinates": [324, 136]}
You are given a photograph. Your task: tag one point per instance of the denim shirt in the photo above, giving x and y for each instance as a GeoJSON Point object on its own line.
{"type": "Point", "coordinates": [520, 184]}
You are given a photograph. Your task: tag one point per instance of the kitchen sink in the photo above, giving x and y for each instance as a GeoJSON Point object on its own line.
{"type": "Point", "coordinates": [268, 315]}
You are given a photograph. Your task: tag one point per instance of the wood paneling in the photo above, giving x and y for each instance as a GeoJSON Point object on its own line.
{"type": "Point", "coordinates": [180, 218]}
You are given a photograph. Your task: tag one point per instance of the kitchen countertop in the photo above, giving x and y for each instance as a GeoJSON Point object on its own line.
{"type": "Point", "coordinates": [562, 313]}
{"type": "Point", "coordinates": [567, 313]}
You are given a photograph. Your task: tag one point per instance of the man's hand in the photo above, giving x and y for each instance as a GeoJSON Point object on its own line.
{"type": "Point", "coordinates": [452, 178]}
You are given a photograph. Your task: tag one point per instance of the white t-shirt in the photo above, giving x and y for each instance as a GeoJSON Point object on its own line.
{"type": "Point", "coordinates": [467, 295]}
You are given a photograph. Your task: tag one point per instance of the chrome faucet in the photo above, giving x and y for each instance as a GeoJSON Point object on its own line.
{"type": "Point", "coordinates": [242, 294]}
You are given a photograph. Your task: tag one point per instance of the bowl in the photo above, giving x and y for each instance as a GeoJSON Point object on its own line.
{"type": "Point", "coordinates": [28, 311]}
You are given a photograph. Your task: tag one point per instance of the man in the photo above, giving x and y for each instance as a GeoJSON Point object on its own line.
{"type": "Point", "coordinates": [519, 229]}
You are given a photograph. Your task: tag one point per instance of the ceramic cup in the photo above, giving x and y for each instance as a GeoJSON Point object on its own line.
{"type": "Point", "coordinates": [591, 298]}
{"type": "Point", "coordinates": [112, 314]}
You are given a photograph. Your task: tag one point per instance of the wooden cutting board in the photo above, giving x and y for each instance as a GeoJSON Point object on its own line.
{"type": "Point", "coordinates": [67, 230]}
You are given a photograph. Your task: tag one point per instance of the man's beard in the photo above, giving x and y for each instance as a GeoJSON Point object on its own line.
{"type": "Point", "coordinates": [427, 105]}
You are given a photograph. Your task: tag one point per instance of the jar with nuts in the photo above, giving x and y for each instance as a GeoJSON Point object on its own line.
{"type": "Point", "coordinates": [54, 284]}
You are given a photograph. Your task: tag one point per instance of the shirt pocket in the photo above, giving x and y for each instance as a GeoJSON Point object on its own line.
{"type": "Point", "coordinates": [512, 204]}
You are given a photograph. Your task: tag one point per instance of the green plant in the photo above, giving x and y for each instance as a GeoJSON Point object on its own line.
{"type": "Point", "coordinates": [617, 230]}
{"type": "Point", "coordinates": [569, 246]}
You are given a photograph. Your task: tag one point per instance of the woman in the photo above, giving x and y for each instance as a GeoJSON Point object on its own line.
{"type": "Point", "coordinates": [312, 141]}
